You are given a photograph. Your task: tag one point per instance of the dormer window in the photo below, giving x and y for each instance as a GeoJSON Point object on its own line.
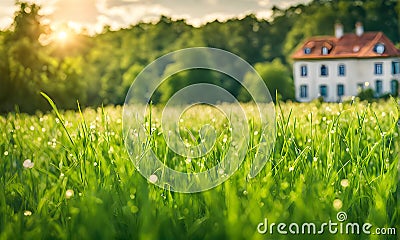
{"type": "Point", "coordinates": [325, 51]}
{"type": "Point", "coordinates": [379, 48]}
{"type": "Point", "coordinates": [307, 50]}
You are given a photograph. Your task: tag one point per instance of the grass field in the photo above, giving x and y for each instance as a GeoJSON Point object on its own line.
{"type": "Point", "coordinates": [72, 178]}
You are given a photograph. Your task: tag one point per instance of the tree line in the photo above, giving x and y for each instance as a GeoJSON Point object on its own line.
{"type": "Point", "coordinates": [99, 69]}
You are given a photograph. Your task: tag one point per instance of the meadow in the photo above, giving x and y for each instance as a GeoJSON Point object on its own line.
{"type": "Point", "coordinates": [68, 175]}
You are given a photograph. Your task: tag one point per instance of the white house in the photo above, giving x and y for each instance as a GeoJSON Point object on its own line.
{"type": "Point", "coordinates": [340, 66]}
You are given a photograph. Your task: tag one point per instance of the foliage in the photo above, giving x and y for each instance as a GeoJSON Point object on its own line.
{"type": "Point", "coordinates": [370, 95]}
{"type": "Point", "coordinates": [98, 69]}
{"type": "Point", "coordinates": [277, 78]}
{"type": "Point", "coordinates": [67, 175]}
{"type": "Point", "coordinates": [367, 94]}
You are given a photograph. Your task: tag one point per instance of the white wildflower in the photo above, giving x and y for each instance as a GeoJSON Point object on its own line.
{"type": "Point", "coordinates": [69, 193]}
{"type": "Point", "coordinates": [337, 204]}
{"type": "Point", "coordinates": [153, 178]}
{"type": "Point", "coordinates": [27, 213]}
{"type": "Point", "coordinates": [28, 163]}
{"type": "Point", "coordinates": [345, 183]}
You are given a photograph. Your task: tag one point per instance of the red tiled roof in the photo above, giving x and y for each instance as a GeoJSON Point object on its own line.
{"type": "Point", "coordinates": [348, 46]}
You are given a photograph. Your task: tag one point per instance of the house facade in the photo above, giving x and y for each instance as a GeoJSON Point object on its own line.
{"type": "Point", "coordinates": [340, 66]}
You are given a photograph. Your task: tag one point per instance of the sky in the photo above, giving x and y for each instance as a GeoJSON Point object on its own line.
{"type": "Point", "coordinates": [94, 14]}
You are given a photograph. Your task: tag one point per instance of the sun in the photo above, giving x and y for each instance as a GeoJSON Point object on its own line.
{"type": "Point", "coordinates": [62, 35]}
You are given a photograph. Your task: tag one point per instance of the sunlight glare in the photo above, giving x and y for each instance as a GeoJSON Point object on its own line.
{"type": "Point", "coordinates": [62, 36]}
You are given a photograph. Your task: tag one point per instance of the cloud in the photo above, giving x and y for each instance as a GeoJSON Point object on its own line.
{"type": "Point", "coordinates": [7, 10]}
{"type": "Point", "coordinates": [263, 3]}
{"type": "Point", "coordinates": [132, 13]}
{"type": "Point", "coordinates": [85, 12]}
{"type": "Point", "coordinates": [5, 22]}
{"type": "Point", "coordinates": [264, 14]}
{"type": "Point", "coordinates": [122, 13]}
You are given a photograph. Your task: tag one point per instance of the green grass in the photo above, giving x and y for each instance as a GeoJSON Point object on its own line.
{"type": "Point", "coordinates": [84, 186]}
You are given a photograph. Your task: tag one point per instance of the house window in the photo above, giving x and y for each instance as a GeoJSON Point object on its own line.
{"type": "Point", "coordinates": [307, 50]}
{"type": "Point", "coordinates": [303, 91]}
{"type": "Point", "coordinates": [378, 87]}
{"type": "Point", "coordinates": [324, 70]}
{"type": "Point", "coordinates": [378, 69]}
{"type": "Point", "coordinates": [395, 68]}
{"type": "Point", "coordinates": [394, 87]}
{"type": "Point", "coordinates": [303, 71]}
{"type": "Point", "coordinates": [379, 48]}
{"type": "Point", "coordinates": [340, 90]}
{"type": "Point", "coordinates": [342, 70]}
{"type": "Point", "coordinates": [324, 50]}
{"type": "Point", "coordinates": [323, 91]}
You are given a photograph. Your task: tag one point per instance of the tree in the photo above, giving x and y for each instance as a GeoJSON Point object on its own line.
{"type": "Point", "coordinates": [29, 67]}
{"type": "Point", "coordinates": [24, 59]}
{"type": "Point", "coordinates": [277, 78]}
{"type": "Point", "coordinates": [99, 69]}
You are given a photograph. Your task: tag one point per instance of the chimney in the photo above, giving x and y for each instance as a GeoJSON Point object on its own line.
{"type": "Point", "coordinates": [338, 30]}
{"type": "Point", "coordinates": [359, 29]}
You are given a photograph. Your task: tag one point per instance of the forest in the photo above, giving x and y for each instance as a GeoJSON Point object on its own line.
{"type": "Point", "coordinates": [98, 69]}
